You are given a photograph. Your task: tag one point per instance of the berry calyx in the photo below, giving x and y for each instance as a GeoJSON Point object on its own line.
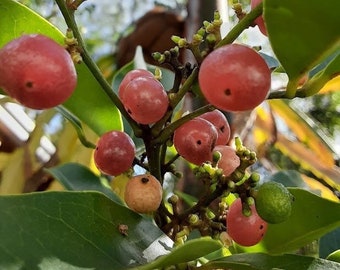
{"type": "Point", "coordinates": [143, 193]}
{"type": "Point", "coordinates": [234, 78]}
{"type": "Point", "coordinates": [114, 153]}
{"type": "Point", "coordinates": [195, 140]}
{"type": "Point", "coordinates": [245, 230]}
{"type": "Point", "coordinates": [37, 72]}
{"type": "Point", "coordinates": [273, 202]}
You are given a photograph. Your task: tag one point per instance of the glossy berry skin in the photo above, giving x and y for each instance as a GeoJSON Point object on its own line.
{"type": "Point", "coordinates": [234, 78]}
{"type": "Point", "coordinates": [143, 193]}
{"type": "Point", "coordinates": [245, 231]}
{"type": "Point", "coordinates": [229, 161]}
{"type": "Point", "coordinates": [37, 71]}
{"type": "Point", "coordinates": [195, 140]}
{"type": "Point", "coordinates": [221, 124]}
{"type": "Point", "coordinates": [114, 153]}
{"type": "Point", "coordinates": [259, 21]}
{"type": "Point", "coordinates": [145, 100]}
{"type": "Point", "coordinates": [131, 75]}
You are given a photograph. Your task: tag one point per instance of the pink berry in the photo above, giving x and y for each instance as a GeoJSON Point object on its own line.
{"type": "Point", "coordinates": [234, 78]}
{"type": "Point", "coordinates": [115, 152]}
{"type": "Point", "coordinates": [145, 100]}
{"type": "Point", "coordinates": [195, 140]}
{"type": "Point", "coordinates": [37, 71]}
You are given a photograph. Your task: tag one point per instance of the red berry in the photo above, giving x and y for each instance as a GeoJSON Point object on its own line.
{"type": "Point", "coordinates": [145, 100]}
{"type": "Point", "coordinates": [114, 153]}
{"type": "Point", "coordinates": [259, 21]}
{"type": "Point", "coordinates": [131, 75]}
{"type": "Point", "coordinates": [221, 124]}
{"type": "Point", "coordinates": [37, 71]}
{"type": "Point", "coordinates": [195, 140]}
{"type": "Point", "coordinates": [234, 78]}
{"type": "Point", "coordinates": [229, 161]}
{"type": "Point", "coordinates": [244, 230]}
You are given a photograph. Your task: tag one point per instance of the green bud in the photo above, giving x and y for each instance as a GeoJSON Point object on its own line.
{"type": "Point", "coordinates": [217, 15]}
{"type": "Point", "coordinates": [173, 199]}
{"type": "Point", "coordinates": [216, 157]}
{"type": "Point", "coordinates": [158, 73]}
{"type": "Point", "coordinates": [250, 201]}
{"type": "Point", "coordinates": [201, 32]}
{"type": "Point", "coordinates": [178, 175]}
{"type": "Point", "coordinates": [176, 39]}
{"type": "Point", "coordinates": [160, 58]}
{"type": "Point", "coordinates": [255, 177]}
{"type": "Point", "coordinates": [246, 210]}
{"type": "Point", "coordinates": [197, 39]}
{"type": "Point", "coordinates": [209, 169]}
{"type": "Point", "coordinates": [194, 219]}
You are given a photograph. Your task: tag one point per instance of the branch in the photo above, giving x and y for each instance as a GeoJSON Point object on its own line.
{"type": "Point", "coordinates": [68, 15]}
{"type": "Point", "coordinates": [243, 24]}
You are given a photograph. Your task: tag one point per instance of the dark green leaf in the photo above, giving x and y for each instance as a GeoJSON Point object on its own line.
{"type": "Point", "coordinates": [89, 102]}
{"type": "Point", "coordinates": [73, 230]}
{"type": "Point", "coordinates": [302, 33]}
{"type": "Point", "coordinates": [76, 177]}
{"type": "Point", "coordinates": [258, 261]}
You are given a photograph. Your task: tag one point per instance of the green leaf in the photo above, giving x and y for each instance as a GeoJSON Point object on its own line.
{"type": "Point", "coordinates": [89, 102]}
{"type": "Point", "coordinates": [308, 222]}
{"type": "Point", "coordinates": [258, 261]}
{"type": "Point", "coordinates": [189, 251]}
{"type": "Point", "coordinates": [334, 256]}
{"type": "Point", "coordinates": [74, 230]}
{"type": "Point", "coordinates": [76, 177]}
{"type": "Point", "coordinates": [315, 84]}
{"type": "Point", "coordinates": [302, 33]}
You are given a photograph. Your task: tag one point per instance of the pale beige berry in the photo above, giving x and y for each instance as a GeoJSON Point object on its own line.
{"type": "Point", "coordinates": [143, 193]}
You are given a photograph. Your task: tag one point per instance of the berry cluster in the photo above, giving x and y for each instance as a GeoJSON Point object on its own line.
{"type": "Point", "coordinates": [40, 74]}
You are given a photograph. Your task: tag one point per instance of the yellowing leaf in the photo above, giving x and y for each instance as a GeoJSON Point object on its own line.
{"type": "Point", "coordinates": [309, 161]}
{"type": "Point", "coordinates": [316, 185]}
{"type": "Point", "coordinates": [303, 131]}
{"type": "Point", "coordinates": [331, 86]}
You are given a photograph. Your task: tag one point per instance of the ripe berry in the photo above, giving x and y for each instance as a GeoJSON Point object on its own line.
{"type": "Point", "coordinates": [115, 152]}
{"type": "Point", "coordinates": [145, 100]}
{"type": "Point", "coordinates": [221, 124]}
{"type": "Point", "coordinates": [234, 78]}
{"type": "Point", "coordinates": [195, 140]}
{"type": "Point", "coordinates": [143, 193]}
{"type": "Point", "coordinates": [131, 75]}
{"type": "Point", "coordinates": [229, 161]}
{"type": "Point", "coordinates": [37, 71]}
{"type": "Point", "coordinates": [259, 20]}
{"type": "Point", "coordinates": [273, 202]}
{"type": "Point", "coordinates": [245, 230]}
